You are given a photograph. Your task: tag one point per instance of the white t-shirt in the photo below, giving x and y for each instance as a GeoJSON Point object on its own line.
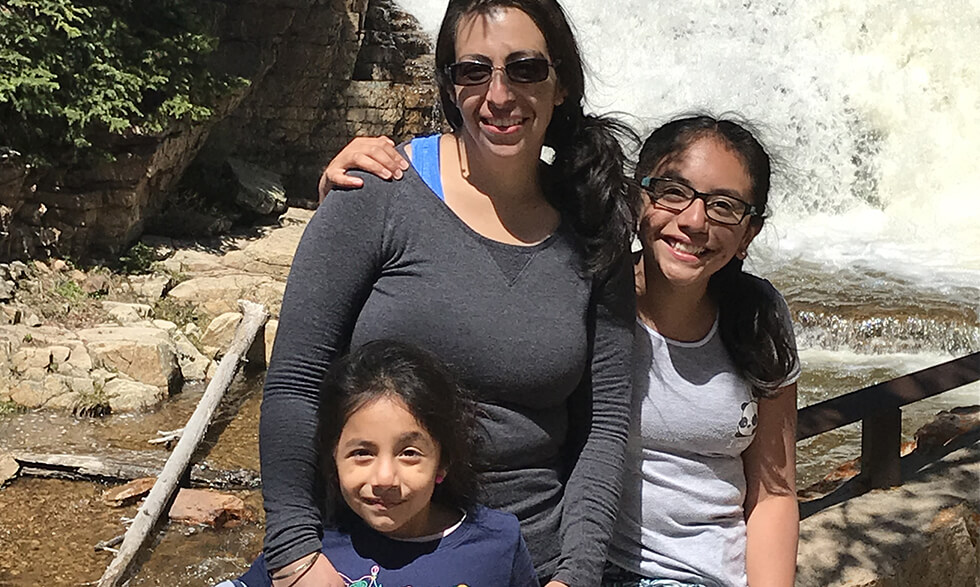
{"type": "Point", "coordinates": [681, 513]}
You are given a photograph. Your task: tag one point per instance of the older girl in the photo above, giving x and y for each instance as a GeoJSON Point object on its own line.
{"type": "Point", "coordinates": [513, 273]}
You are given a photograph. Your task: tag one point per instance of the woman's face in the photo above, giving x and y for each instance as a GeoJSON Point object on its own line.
{"type": "Point", "coordinates": [504, 118]}
{"type": "Point", "coordinates": [687, 248]}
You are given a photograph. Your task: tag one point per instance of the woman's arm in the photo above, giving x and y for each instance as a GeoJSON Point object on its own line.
{"type": "Point", "coordinates": [376, 155]}
{"type": "Point", "coordinates": [332, 273]}
{"type": "Point", "coordinates": [591, 498]}
{"type": "Point", "coordinates": [771, 511]}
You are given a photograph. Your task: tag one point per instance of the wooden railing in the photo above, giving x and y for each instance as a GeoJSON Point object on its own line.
{"type": "Point", "coordinates": [879, 409]}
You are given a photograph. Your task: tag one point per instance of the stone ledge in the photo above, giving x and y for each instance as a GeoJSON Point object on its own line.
{"type": "Point", "coordinates": [922, 534]}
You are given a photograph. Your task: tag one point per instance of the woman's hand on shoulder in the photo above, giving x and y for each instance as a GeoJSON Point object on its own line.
{"type": "Point", "coordinates": [320, 574]}
{"type": "Point", "coordinates": [375, 155]}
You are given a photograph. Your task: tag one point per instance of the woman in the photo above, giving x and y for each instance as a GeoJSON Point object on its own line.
{"type": "Point", "coordinates": [709, 497]}
{"type": "Point", "coordinates": [513, 273]}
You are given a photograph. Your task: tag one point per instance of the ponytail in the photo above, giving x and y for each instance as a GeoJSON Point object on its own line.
{"type": "Point", "coordinates": [753, 328]}
{"type": "Point", "coordinates": [588, 183]}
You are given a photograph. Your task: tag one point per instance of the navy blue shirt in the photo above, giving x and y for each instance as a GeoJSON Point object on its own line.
{"type": "Point", "coordinates": [486, 550]}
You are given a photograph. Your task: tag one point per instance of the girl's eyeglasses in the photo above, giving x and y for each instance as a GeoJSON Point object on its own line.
{"type": "Point", "coordinates": [522, 71]}
{"type": "Point", "coordinates": [677, 197]}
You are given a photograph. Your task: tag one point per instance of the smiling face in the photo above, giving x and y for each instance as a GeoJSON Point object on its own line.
{"type": "Point", "coordinates": [685, 248]}
{"type": "Point", "coordinates": [387, 466]}
{"type": "Point", "coordinates": [502, 118]}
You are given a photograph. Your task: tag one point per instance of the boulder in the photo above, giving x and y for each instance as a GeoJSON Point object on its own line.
{"type": "Point", "coordinates": [150, 287]}
{"type": "Point", "coordinates": [9, 467]}
{"type": "Point", "coordinates": [219, 333]}
{"type": "Point", "coordinates": [257, 190]}
{"type": "Point", "coordinates": [203, 507]}
{"type": "Point", "coordinates": [131, 396]}
{"type": "Point", "coordinates": [193, 364]}
{"type": "Point", "coordinates": [143, 354]}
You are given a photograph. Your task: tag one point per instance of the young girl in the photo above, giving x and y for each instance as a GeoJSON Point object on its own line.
{"type": "Point", "coordinates": [709, 497]}
{"type": "Point", "coordinates": [397, 436]}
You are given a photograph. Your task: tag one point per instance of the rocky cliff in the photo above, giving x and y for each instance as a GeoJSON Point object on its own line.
{"type": "Point", "coordinates": [319, 71]}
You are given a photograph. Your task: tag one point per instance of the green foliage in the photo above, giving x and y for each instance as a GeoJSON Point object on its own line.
{"type": "Point", "coordinates": [72, 70]}
{"type": "Point", "coordinates": [9, 407]}
{"type": "Point", "coordinates": [70, 290]}
{"type": "Point", "coordinates": [140, 259]}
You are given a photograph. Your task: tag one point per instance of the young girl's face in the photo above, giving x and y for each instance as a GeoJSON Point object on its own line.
{"type": "Point", "coordinates": [686, 247]}
{"type": "Point", "coordinates": [387, 465]}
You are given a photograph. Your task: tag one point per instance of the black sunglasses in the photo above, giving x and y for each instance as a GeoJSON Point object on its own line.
{"type": "Point", "coordinates": [522, 71]}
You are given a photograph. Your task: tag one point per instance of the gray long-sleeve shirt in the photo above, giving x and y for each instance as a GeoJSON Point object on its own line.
{"type": "Point", "coordinates": [536, 344]}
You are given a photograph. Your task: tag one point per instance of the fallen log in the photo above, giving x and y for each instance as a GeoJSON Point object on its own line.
{"type": "Point", "coordinates": [125, 465]}
{"type": "Point", "coordinates": [254, 317]}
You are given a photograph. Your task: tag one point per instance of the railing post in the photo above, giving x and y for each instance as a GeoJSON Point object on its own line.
{"type": "Point", "coordinates": [881, 446]}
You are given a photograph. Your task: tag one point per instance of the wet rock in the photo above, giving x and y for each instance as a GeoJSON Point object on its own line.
{"type": "Point", "coordinates": [128, 493]}
{"type": "Point", "coordinates": [219, 333]}
{"type": "Point", "coordinates": [131, 396]}
{"type": "Point", "coordinates": [947, 426]}
{"type": "Point", "coordinates": [203, 507]}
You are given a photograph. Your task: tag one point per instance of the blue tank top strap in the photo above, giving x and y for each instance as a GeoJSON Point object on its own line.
{"type": "Point", "coordinates": [425, 160]}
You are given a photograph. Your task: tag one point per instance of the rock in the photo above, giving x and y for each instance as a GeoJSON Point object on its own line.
{"type": "Point", "coordinates": [165, 325]}
{"type": "Point", "coordinates": [220, 294]}
{"type": "Point", "coordinates": [97, 284]}
{"type": "Point", "coordinates": [271, 327]}
{"type": "Point", "coordinates": [203, 507]}
{"type": "Point", "coordinates": [219, 333]}
{"type": "Point", "coordinates": [144, 354]}
{"type": "Point", "coordinates": [128, 493]}
{"type": "Point", "coordinates": [58, 266]}
{"type": "Point", "coordinates": [7, 289]}
{"type": "Point", "coordinates": [191, 329]}
{"type": "Point", "coordinates": [41, 268]}
{"type": "Point", "coordinates": [193, 364]}
{"type": "Point", "coordinates": [150, 287]}
{"type": "Point", "coordinates": [9, 468]}
{"type": "Point", "coordinates": [946, 426]}
{"type": "Point", "coordinates": [11, 314]}
{"type": "Point", "coordinates": [127, 313]}
{"type": "Point", "coordinates": [259, 190]}
{"type": "Point", "coordinates": [18, 270]}
{"type": "Point", "coordinates": [131, 396]}
{"type": "Point", "coordinates": [32, 320]}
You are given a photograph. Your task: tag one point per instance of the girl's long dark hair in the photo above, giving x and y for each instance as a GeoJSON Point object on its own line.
{"type": "Point", "coordinates": [386, 368]}
{"type": "Point", "coordinates": [749, 315]}
{"type": "Point", "coordinates": [586, 181]}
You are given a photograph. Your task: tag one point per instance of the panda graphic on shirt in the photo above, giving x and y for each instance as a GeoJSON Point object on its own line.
{"type": "Point", "coordinates": [749, 420]}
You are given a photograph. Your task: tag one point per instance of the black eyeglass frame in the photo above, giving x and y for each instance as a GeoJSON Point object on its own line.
{"type": "Point", "coordinates": [750, 209]}
{"type": "Point", "coordinates": [449, 70]}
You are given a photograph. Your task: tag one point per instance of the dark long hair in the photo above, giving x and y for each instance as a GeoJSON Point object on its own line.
{"type": "Point", "coordinates": [749, 317]}
{"type": "Point", "coordinates": [586, 181]}
{"type": "Point", "coordinates": [387, 368]}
